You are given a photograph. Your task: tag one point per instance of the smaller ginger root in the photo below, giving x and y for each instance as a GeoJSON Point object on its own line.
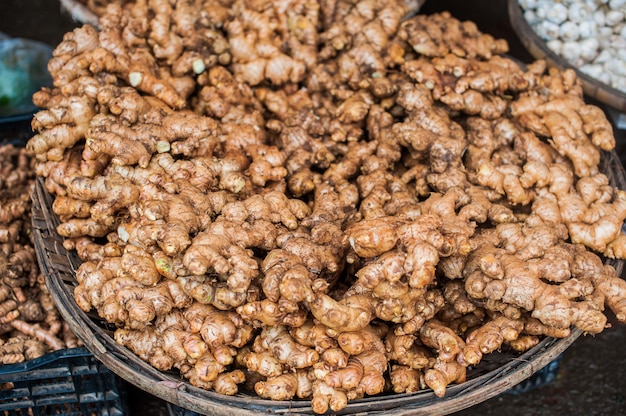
{"type": "Point", "coordinates": [29, 321]}
{"type": "Point", "coordinates": [437, 335]}
{"type": "Point", "coordinates": [20, 348]}
{"type": "Point", "coordinates": [440, 34]}
{"type": "Point", "coordinates": [442, 374]}
{"type": "Point", "coordinates": [489, 338]}
{"type": "Point", "coordinates": [298, 383]}
{"type": "Point", "coordinates": [405, 379]}
{"type": "Point", "coordinates": [39, 333]}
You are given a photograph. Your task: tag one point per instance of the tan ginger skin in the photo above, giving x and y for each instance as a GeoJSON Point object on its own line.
{"type": "Point", "coordinates": [321, 201]}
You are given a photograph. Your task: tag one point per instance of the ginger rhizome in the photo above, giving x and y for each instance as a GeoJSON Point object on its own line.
{"type": "Point", "coordinates": [323, 201]}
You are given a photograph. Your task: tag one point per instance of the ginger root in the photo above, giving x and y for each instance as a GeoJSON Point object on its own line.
{"type": "Point", "coordinates": [319, 201]}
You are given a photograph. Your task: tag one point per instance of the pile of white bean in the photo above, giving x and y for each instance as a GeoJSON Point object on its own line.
{"type": "Point", "coordinates": [589, 34]}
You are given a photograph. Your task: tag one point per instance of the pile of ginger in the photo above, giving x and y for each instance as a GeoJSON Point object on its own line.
{"type": "Point", "coordinates": [30, 324]}
{"type": "Point", "coordinates": [325, 201]}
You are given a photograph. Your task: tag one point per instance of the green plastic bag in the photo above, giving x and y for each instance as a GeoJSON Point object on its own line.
{"type": "Point", "coordinates": [23, 71]}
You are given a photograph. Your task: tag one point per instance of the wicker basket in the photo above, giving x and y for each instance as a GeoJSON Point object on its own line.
{"type": "Point", "coordinates": [538, 49]}
{"type": "Point", "coordinates": [497, 372]}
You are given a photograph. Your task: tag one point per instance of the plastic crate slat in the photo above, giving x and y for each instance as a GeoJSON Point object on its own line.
{"type": "Point", "coordinates": [53, 388]}
{"type": "Point", "coordinates": [114, 411]}
{"type": "Point", "coordinates": [16, 392]}
{"type": "Point", "coordinates": [56, 400]}
{"type": "Point", "coordinates": [41, 374]}
{"type": "Point", "coordinates": [80, 370]}
{"type": "Point", "coordinates": [68, 382]}
{"type": "Point", "coordinates": [111, 395]}
{"type": "Point", "coordinates": [91, 397]}
{"type": "Point", "coordinates": [17, 404]}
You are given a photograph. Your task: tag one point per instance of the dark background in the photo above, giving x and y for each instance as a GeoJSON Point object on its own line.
{"type": "Point", "coordinates": [591, 379]}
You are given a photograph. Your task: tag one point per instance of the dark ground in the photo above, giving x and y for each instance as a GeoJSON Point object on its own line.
{"type": "Point", "coordinates": [591, 380]}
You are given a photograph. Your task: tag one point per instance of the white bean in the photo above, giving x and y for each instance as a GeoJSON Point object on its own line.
{"type": "Point", "coordinates": [569, 31]}
{"type": "Point", "coordinates": [599, 17]}
{"type": "Point", "coordinates": [589, 34]}
{"type": "Point", "coordinates": [588, 29]}
{"type": "Point", "coordinates": [571, 51]}
{"type": "Point", "coordinates": [556, 13]}
{"type": "Point", "coordinates": [547, 30]}
{"type": "Point", "coordinates": [616, 4]}
{"type": "Point", "coordinates": [530, 16]}
{"type": "Point", "coordinates": [555, 45]}
{"type": "Point", "coordinates": [578, 12]}
{"type": "Point", "coordinates": [614, 17]}
{"type": "Point", "coordinates": [593, 70]}
{"type": "Point", "coordinates": [589, 49]}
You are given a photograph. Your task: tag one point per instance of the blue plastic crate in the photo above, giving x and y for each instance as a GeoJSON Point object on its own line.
{"type": "Point", "coordinates": [66, 382]}
{"type": "Point", "coordinates": [541, 378]}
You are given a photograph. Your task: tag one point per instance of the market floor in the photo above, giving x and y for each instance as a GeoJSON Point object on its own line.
{"type": "Point", "coordinates": [591, 380]}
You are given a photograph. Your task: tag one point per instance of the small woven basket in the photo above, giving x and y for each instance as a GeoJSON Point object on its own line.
{"type": "Point", "coordinates": [497, 373]}
{"type": "Point", "coordinates": [538, 49]}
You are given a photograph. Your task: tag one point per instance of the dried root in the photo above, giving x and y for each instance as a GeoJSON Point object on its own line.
{"type": "Point", "coordinates": [30, 325]}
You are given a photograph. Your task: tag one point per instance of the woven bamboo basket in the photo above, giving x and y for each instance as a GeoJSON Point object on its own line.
{"type": "Point", "coordinates": [497, 372]}
{"type": "Point", "coordinates": [538, 49]}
